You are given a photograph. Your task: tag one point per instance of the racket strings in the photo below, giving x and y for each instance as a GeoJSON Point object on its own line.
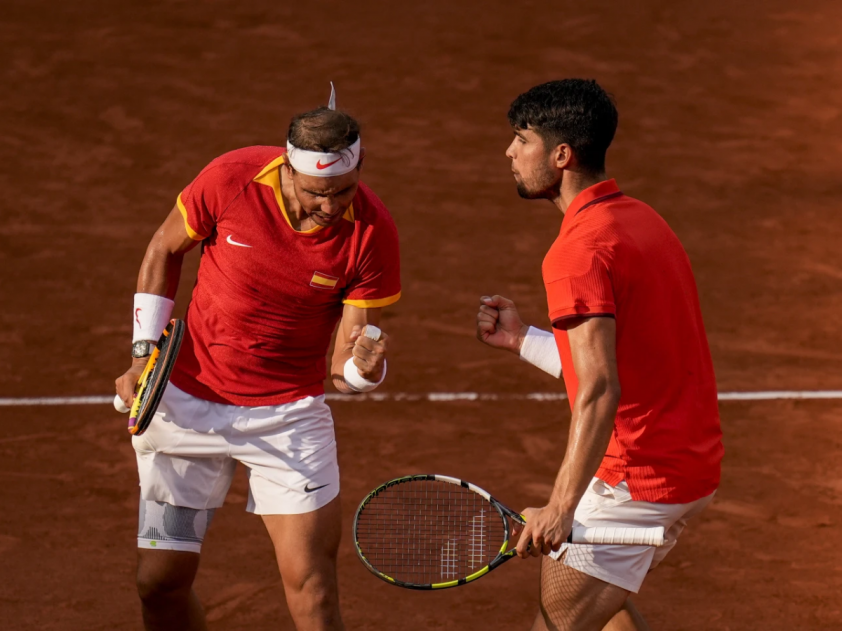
{"type": "Point", "coordinates": [426, 531]}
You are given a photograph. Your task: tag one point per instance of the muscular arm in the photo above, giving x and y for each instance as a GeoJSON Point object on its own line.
{"type": "Point", "coordinates": [368, 354]}
{"type": "Point", "coordinates": [160, 270]}
{"type": "Point", "coordinates": [159, 274]}
{"type": "Point", "coordinates": [593, 346]}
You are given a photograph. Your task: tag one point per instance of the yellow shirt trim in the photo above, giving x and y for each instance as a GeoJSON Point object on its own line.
{"type": "Point", "coordinates": [269, 168]}
{"type": "Point", "coordinates": [374, 304]}
{"type": "Point", "coordinates": [191, 233]}
{"type": "Point", "coordinates": [269, 176]}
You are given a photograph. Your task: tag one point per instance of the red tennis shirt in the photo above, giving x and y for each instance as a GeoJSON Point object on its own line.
{"type": "Point", "coordinates": [267, 298]}
{"type": "Point", "coordinates": [615, 256]}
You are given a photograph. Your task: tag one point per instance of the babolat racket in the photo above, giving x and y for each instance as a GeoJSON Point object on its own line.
{"type": "Point", "coordinates": [154, 378]}
{"type": "Point", "coordinates": [434, 531]}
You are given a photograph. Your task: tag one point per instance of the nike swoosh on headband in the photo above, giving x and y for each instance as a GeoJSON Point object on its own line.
{"type": "Point", "coordinates": [321, 166]}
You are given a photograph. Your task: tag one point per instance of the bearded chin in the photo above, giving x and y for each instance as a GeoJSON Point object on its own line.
{"type": "Point", "coordinates": [524, 192]}
{"type": "Point", "coordinates": [546, 190]}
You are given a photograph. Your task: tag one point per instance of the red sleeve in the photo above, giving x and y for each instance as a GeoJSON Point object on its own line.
{"type": "Point", "coordinates": [378, 279]}
{"type": "Point", "coordinates": [206, 198]}
{"type": "Point", "coordinates": [578, 282]}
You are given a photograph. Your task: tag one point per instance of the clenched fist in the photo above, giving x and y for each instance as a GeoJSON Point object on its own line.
{"type": "Point", "coordinates": [369, 354]}
{"type": "Point", "coordinates": [499, 324]}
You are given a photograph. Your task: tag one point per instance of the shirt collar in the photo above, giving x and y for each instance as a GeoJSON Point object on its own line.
{"type": "Point", "coordinates": [270, 176]}
{"type": "Point", "coordinates": [592, 195]}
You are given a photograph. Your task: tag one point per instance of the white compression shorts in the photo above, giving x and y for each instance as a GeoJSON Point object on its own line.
{"type": "Point", "coordinates": [188, 455]}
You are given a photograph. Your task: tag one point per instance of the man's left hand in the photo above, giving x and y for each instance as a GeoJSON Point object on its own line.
{"type": "Point", "coordinates": [546, 528]}
{"type": "Point", "coordinates": [369, 356]}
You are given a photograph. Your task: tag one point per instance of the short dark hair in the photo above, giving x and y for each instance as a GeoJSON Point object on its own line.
{"type": "Point", "coordinates": [573, 111]}
{"type": "Point", "coordinates": [323, 130]}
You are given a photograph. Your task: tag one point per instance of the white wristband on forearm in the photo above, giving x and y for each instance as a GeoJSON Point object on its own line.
{"type": "Point", "coordinates": [356, 381]}
{"type": "Point", "coordinates": [353, 378]}
{"type": "Point", "coordinates": [151, 316]}
{"type": "Point", "coordinates": [540, 350]}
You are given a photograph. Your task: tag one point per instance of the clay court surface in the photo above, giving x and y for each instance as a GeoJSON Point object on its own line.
{"type": "Point", "coordinates": [730, 126]}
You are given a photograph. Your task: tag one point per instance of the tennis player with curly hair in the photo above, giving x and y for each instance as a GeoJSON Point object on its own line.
{"type": "Point", "coordinates": [644, 446]}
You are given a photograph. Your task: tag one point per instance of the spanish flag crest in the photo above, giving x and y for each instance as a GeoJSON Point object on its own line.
{"type": "Point", "coordinates": [323, 281]}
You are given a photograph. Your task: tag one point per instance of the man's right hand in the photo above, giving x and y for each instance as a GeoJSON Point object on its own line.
{"type": "Point", "coordinates": [126, 383]}
{"type": "Point", "coordinates": [499, 325]}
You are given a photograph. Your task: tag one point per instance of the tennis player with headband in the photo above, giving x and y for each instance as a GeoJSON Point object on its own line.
{"type": "Point", "coordinates": [292, 244]}
{"type": "Point", "coordinates": [645, 445]}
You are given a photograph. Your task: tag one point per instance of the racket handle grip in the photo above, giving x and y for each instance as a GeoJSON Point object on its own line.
{"type": "Point", "coordinates": [619, 536]}
{"type": "Point", "coordinates": [119, 405]}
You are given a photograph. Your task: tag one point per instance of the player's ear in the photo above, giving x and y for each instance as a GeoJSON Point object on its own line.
{"type": "Point", "coordinates": [562, 156]}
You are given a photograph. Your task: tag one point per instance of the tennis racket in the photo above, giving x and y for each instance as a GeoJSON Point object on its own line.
{"type": "Point", "coordinates": [154, 378]}
{"type": "Point", "coordinates": [434, 532]}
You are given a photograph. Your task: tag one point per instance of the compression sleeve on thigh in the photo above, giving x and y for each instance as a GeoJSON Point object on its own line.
{"type": "Point", "coordinates": [162, 526]}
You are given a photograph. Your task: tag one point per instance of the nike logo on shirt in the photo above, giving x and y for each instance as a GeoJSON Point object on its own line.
{"type": "Point", "coordinates": [232, 242]}
{"type": "Point", "coordinates": [307, 488]}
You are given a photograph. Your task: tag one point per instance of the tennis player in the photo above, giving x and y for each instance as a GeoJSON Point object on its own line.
{"type": "Point", "coordinates": [292, 244]}
{"type": "Point", "coordinates": [644, 446]}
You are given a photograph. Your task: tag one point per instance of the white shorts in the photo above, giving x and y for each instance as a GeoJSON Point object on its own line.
{"type": "Point", "coordinates": [188, 454]}
{"type": "Point", "coordinates": [624, 566]}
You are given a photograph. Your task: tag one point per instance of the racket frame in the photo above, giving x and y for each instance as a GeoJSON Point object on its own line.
{"type": "Point", "coordinates": [579, 535]}
{"type": "Point", "coordinates": [165, 352]}
{"type": "Point", "coordinates": [502, 556]}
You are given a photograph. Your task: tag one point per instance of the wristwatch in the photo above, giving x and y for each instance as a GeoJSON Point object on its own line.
{"type": "Point", "coordinates": [143, 348]}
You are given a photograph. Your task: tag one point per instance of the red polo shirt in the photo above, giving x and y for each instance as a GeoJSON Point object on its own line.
{"type": "Point", "coordinates": [615, 256]}
{"type": "Point", "coordinates": [268, 297]}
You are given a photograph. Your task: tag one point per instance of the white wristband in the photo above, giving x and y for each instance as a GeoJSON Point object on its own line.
{"type": "Point", "coordinates": [540, 350]}
{"type": "Point", "coordinates": [356, 381]}
{"type": "Point", "coordinates": [150, 317]}
{"type": "Point", "coordinates": [353, 378]}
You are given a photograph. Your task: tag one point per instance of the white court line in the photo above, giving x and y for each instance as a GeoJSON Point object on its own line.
{"type": "Point", "coordinates": [439, 397]}
{"type": "Point", "coordinates": [56, 401]}
{"type": "Point", "coordinates": [780, 394]}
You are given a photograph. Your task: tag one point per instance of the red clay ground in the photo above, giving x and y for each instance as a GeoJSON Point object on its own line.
{"type": "Point", "coordinates": [730, 127]}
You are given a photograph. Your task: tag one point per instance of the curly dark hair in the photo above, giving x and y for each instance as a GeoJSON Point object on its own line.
{"type": "Point", "coordinates": [577, 112]}
{"type": "Point", "coordinates": [323, 130]}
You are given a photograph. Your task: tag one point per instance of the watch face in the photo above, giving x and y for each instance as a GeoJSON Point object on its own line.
{"type": "Point", "coordinates": [141, 349]}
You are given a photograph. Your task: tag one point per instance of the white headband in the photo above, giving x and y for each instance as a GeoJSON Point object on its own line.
{"type": "Point", "coordinates": [325, 164]}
